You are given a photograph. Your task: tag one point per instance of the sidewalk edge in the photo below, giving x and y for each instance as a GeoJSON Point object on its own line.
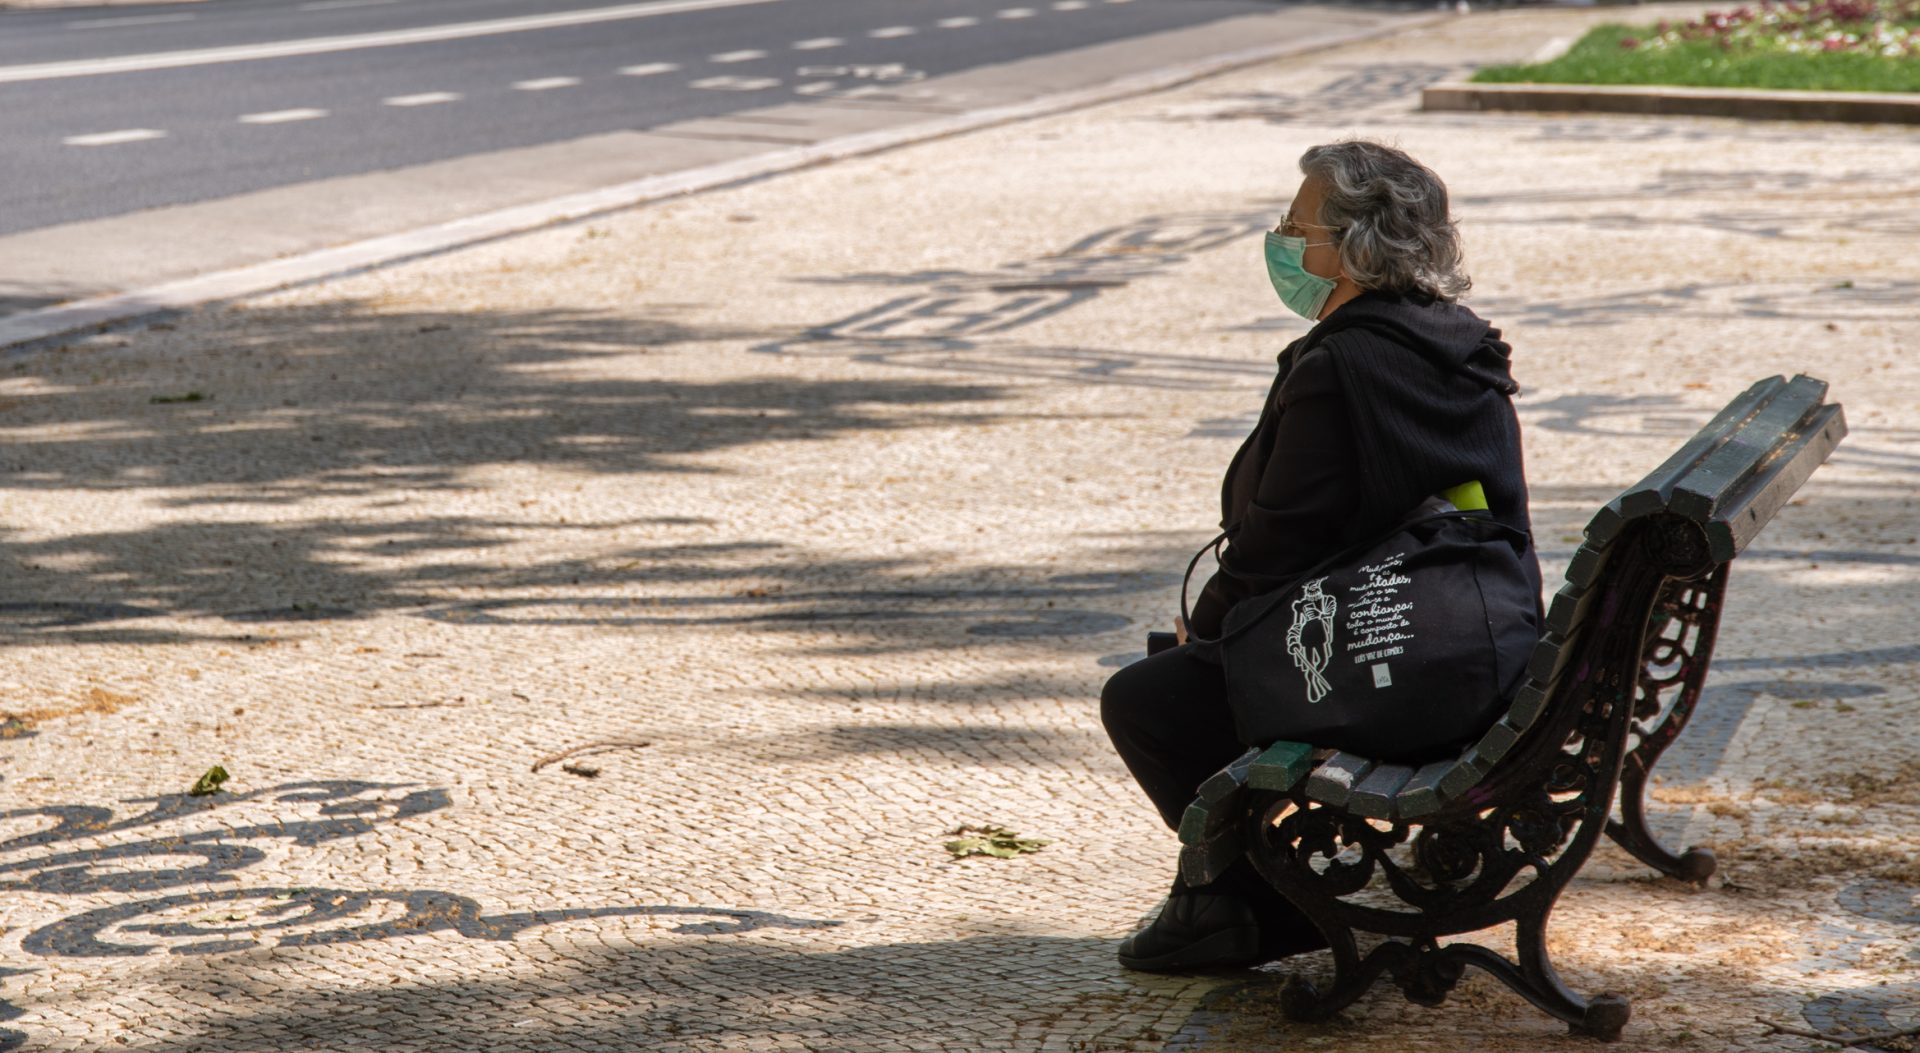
{"type": "Point", "coordinates": [19, 332]}
{"type": "Point", "coordinates": [1856, 107]}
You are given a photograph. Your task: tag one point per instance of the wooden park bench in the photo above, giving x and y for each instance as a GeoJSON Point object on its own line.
{"type": "Point", "coordinates": [1494, 834]}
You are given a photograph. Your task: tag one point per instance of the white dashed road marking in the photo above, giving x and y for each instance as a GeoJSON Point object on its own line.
{"type": "Point", "coordinates": [427, 98]}
{"type": "Point", "coordinates": [546, 83]}
{"type": "Point", "coordinates": [282, 116]}
{"type": "Point", "coordinates": [890, 32]}
{"type": "Point", "coordinates": [1015, 12]}
{"type": "Point", "coordinates": [747, 55]}
{"type": "Point", "coordinates": [957, 23]}
{"type": "Point", "coordinates": [358, 41]}
{"type": "Point", "coordinates": [130, 20]}
{"type": "Point", "coordinates": [334, 5]}
{"type": "Point", "coordinates": [736, 83]}
{"type": "Point", "coordinates": [817, 43]}
{"type": "Point", "coordinates": [648, 69]}
{"type": "Point", "coordinates": [127, 135]}
{"type": "Point", "coordinates": [1071, 5]}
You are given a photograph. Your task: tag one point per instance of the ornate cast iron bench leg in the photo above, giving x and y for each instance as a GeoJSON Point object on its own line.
{"type": "Point", "coordinates": [1679, 647]}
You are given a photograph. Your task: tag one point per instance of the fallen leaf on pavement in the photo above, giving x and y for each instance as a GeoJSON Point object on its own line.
{"type": "Point", "coordinates": [210, 782]}
{"type": "Point", "coordinates": [996, 841]}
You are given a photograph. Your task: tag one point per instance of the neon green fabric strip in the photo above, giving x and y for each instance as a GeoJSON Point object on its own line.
{"type": "Point", "coordinates": [1467, 497]}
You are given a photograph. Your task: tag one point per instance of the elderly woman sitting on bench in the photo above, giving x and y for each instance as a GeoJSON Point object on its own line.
{"type": "Point", "coordinates": [1396, 393]}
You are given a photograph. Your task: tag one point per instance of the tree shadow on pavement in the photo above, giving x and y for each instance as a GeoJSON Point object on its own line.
{"type": "Point", "coordinates": [993, 991]}
{"type": "Point", "coordinates": [289, 404]}
{"type": "Point", "coordinates": [269, 408]}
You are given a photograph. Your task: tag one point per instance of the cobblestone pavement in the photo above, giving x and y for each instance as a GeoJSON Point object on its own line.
{"type": "Point", "coordinates": [834, 498]}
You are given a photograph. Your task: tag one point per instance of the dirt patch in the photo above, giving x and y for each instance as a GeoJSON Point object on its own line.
{"type": "Point", "coordinates": [1780, 864]}
{"type": "Point", "coordinates": [1901, 786]}
{"type": "Point", "coordinates": [97, 700]}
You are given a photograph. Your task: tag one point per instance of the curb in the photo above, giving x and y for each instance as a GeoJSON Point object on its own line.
{"type": "Point", "coordinates": [1860, 107]}
{"type": "Point", "coordinates": [34, 327]}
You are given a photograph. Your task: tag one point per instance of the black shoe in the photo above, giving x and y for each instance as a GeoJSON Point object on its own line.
{"type": "Point", "coordinates": [1195, 930]}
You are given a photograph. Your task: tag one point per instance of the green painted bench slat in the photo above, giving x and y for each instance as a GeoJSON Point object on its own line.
{"type": "Point", "coordinates": [1649, 495]}
{"type": "Point", "coordinates": [1333, 781]}
{"type": "Point", "coordinates": [1528, 704]}
{"type": "Point", "coordinates": [1550, 656]}
{"type": "Point", "coordinates": [1421, 795]}
{"type": "Point", "coordinates": [1496, 743]}
{"type": "Point", "coordinates": [1568, 609]}
{"type": "Point", "coordinates": [1373, 797]}
{"type": "Point", "coordinates": [1699, 493]}
{"type": "Point", "coordinates": [1738, 519]}
{"type": "Point", "coordinates": [1203, 863]}
{"type": "Point", "coordinates": [1587, 563]}
{"type": "Point", "coordinates": [1280, 766]}
{"type": "Point", "coordinates": [1465, 774]}
{"type": "Point", "coordinates": [1218, 802]}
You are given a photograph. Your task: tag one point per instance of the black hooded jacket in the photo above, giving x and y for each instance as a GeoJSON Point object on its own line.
{"type": "Point", "coordinates": [1387, 401]}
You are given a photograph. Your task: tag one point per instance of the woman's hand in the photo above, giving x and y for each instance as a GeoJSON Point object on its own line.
{"type": "Point", "coordinates": [1179, 629]}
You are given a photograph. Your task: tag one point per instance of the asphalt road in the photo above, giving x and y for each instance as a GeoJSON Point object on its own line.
{"type": "Point", "coordinates": [105, 111]}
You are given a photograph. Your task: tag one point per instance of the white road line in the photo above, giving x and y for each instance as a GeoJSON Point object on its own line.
{"type": "Point", "coordinates": [736, 83]}
{"type": "Point", "coordinates": [747, 55]}
{"type": "Point", "coordinates": [356, 41]}
{"type": "Point", "coordinates": [1071, 5]}
{"type": "Point", "coordinates": [546, 83]}
{"type": "Point", "coordinates": [648, 69]}
{"type": "Point", "coordinates": [282, 116]}
{"type": "Point", "coordinates": [425, 98]}
{"type": "Point", "coordinates": [128, 135]}
{"type": "Point", "coordinates": [957, 23]}
{"type": "Point", "coordinates": [334, 5]}
{"type": "Point", "coordinates": [815, 87]}
{"type": "Point", "coordinates": [817, 43]}
{"type": "Point", "coordinates": [1014, 12]}
{"type": "Point", "coordinates": [889, 32]}
{"type": "Point", "coordinates": [130, 20]}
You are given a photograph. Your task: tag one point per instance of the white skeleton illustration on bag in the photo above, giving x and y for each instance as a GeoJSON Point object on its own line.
{"type": "Point", "coordinates": [1311, 606]}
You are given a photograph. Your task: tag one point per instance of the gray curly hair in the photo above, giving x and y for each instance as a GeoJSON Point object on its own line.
{"type": "Point", "coordinates": [1389, 218]}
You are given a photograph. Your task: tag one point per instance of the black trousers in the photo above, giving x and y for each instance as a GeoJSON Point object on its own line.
{"type": "Point", "coordinates": [1168, 717]}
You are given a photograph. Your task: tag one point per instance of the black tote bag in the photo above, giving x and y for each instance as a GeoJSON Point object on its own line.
{"type": "Point", "coordinates": [1399, 649]}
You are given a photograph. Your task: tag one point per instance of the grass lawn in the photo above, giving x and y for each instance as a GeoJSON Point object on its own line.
{"type": "Point", "coordinates": [1706, 62]}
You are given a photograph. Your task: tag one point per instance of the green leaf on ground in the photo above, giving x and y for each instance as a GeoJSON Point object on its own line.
{"type": "Point", "coordinates": [210, 782]}
{"type": "Point", "coordinates": [996, 841]}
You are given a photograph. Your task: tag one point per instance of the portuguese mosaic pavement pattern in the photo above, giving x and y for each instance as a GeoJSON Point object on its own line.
{"type": "Point", "coordinates": [832, 500]}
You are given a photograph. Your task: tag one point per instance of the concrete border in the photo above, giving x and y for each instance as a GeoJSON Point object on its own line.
{"type": "Point", "coordinates": [1860, 107]}
{"type": "Point", "coordinates": [42, 327]}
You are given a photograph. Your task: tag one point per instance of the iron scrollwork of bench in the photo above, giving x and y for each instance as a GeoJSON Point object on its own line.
{"type": "Point", "coordinates": [1417, 855]}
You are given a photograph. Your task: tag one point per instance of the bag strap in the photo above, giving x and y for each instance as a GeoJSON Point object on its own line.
{"type": "Point", "coordinates": [1475, 507]}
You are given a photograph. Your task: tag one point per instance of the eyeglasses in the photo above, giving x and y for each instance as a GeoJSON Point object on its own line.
{"type": "Point", "coordinates": [1291, 228]}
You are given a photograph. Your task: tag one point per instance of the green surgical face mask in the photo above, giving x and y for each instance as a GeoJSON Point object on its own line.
{"type": "Point", "coordinates": [1303, 291]}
